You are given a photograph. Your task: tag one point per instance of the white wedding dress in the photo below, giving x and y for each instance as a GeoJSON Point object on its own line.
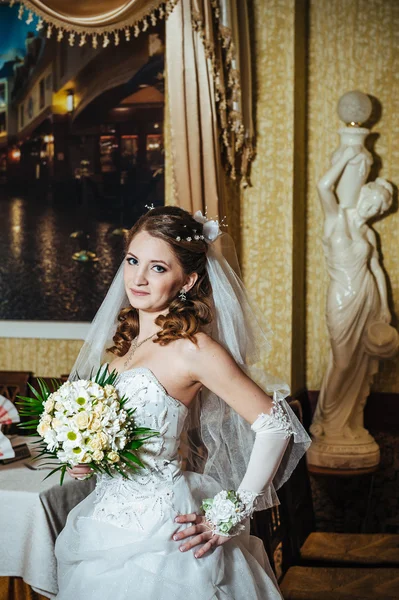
{"type": "Point", "coordinates": [117, 543]}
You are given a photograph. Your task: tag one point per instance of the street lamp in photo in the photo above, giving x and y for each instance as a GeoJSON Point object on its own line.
{"type": "Point", "coordinates": [70, 100]}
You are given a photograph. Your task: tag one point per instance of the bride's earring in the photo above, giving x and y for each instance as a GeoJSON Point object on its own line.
{"type": "Point", "coordinates": [182, 295]}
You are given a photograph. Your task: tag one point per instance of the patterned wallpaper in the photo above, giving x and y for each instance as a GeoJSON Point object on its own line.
{"type": "Point", "coordinates": [353, 45]}
{"type": "Point", "coordinates": [45, 358]}
{"type": "Point", "coordinates": [266, 207]}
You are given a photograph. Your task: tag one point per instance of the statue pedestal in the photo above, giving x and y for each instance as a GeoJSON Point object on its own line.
{"type": "Point", "coordinates": [353, 456]}
{"type": "Point", "coordinates": [343, 498]}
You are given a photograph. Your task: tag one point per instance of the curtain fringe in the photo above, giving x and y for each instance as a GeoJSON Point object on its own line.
{"type": "Point", "coordinates": [103, 35]}
{"type": "Point", "coordinates": [236, 144]}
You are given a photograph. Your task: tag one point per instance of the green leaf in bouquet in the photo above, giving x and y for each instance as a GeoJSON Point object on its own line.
{"type": "Point", "coordinates": [56, 383]}
{"type": "Point", "coordinates": [30, 405]}
{"type": "Point", "coordinates": [119, 470]}
{"type": "Point", "coordinates": [95, 467]}
{"type": "Point", "coordinates": [134, 444]}
{"type": "Point", "coordinates": [44, 388]}
{"type": "Point", "coordinates": [63, 471]}
{"type": "Point", "coordinates": [144, 431]}
{"type": "Point", "coordinates": [104, 377]}
{"type": "Point", "coordinates": [107, 470]}
{"type": "Point", "coordinates": [35, 393]}
{"type": "Point", "coordinates": [61, 466]}
{"type": "Point", "coordinates": [27, 426]}
{"type": "Point", "coordinates": [123, 401]}
{"type": "Point", "coordinates": [129, 456]}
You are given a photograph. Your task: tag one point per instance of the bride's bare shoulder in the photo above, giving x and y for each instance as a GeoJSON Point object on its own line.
{"type": "Point", "coordinates": [204, 343]}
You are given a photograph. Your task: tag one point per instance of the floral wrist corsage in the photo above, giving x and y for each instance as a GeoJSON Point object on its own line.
{"type": "Point", "coordinates": [227, 510]}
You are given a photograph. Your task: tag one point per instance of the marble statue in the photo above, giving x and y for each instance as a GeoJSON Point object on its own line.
{"type": "Point", "coordinates": [357, 306]}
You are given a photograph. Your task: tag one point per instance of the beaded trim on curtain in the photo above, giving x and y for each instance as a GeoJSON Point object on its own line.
{"type": "Point", "coordinates": [100, 29]}
{"type": "Point", "coordinates": [237, 134]}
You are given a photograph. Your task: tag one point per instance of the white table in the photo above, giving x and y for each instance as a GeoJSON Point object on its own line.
{"type": "Point", "coordinates": [32, 514]}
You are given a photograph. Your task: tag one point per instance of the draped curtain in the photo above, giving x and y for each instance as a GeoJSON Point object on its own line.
{"type": "Point", "coordinates": [209, 100]}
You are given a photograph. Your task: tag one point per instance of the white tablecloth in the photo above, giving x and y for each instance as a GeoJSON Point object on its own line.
{"type": "Point", "coordinates": [32, 513]}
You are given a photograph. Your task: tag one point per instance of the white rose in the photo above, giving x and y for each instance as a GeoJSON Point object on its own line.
{"type": "Point", "coordinates": [46, 419]}
{"type": "Point", "coordinates": [98, 408]}
{"type": "Point", "coordinates": [43, 428]}
{"type": "Point", "coordinates": [49, 405]}
{"type": "Point", "coordinates": [103, 438]}
{"type": "Point", "coordinates": [56, 423]}
{"type": "Point", "coordinates": [222, 509]}
{"type": "Point", "coordinates": [82, 420]}
{"type": "Point", "coordinates": [113, 457]}
{"type": "Point", "coordinates": [94, 424]}
{"type": "Point", "coordinates": [95, 443]}
{"type": "Point", "coordinates": [98, 455]}
{"type": "Point", "coordinates": [86, 458]}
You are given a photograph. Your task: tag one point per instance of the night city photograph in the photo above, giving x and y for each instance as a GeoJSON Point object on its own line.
{"type": "Point", "coordinates": [81, 154]}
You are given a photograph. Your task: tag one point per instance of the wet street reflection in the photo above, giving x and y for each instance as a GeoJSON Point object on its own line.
{"type": "Point", "coordinates": [38, 278]}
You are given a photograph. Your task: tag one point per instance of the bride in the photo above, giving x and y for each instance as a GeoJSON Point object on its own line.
{"type": "Point", "coordinates": [184, 338]}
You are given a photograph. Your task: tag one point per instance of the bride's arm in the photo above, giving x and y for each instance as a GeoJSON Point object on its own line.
{"type": "Point", "coordinates": [210, 364]}
{"type": "Point", "coordinates": [213, 366]}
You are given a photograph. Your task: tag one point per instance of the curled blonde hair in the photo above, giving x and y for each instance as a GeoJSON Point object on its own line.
{"type": "Point", "coordinates": [184, 317]}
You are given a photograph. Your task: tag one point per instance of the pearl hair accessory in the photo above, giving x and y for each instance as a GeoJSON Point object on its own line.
{"type": "Point", "coordinates": [211, 228]}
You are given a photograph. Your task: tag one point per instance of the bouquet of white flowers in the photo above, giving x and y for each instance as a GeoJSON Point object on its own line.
{"type": "Point", "coordinates": [85, 422]}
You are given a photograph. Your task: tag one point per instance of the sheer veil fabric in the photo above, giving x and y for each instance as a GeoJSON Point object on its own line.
{"type": "Point", "coordinates": [220, 441]}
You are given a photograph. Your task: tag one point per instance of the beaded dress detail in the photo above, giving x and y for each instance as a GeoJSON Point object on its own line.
{"type": "Point", "coordinates": [117, 543]}
{"type": "Point", "coordinates": [131, 502]}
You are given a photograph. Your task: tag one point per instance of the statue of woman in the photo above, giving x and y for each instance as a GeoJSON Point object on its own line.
{"type": "Point", "coordinates": [357, 297]}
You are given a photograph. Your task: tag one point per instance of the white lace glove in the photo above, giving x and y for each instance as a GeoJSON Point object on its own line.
{"type": "Point", "coordinates": [227, 510]}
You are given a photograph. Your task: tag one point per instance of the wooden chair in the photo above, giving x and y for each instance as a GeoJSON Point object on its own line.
{"type": "Point", "coordinates": [14, 383]}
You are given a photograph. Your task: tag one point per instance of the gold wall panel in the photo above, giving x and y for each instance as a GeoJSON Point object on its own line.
{"type": "Point", "coordinates": [266, 207]}
{"type": "Point", "coordinates": [353, 45]}
{"type": "Point", "coordinates": [45, 358]}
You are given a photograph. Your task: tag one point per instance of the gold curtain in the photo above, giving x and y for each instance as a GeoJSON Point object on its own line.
{"type": "Point", "coordinates": [224, 28]}
{"type": "Point", "coordinates": [104, 19]}
{"type": "Point", "coordinates": [192, 112]}
{"type": "Point", "coordinates": [207, 43]}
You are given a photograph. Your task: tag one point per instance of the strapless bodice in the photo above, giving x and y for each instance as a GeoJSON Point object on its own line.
{"type": "Point", "coordinates": [118, 500]}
